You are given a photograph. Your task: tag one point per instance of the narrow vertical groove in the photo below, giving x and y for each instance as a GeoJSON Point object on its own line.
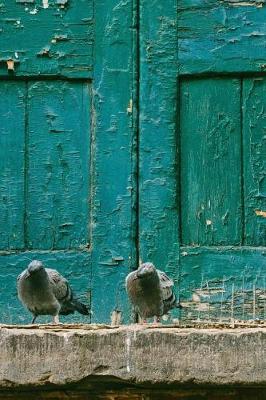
{"type": "Point", "coordinates": [178, 156]}
{"type": "Point", "coordinates": [92, 172]}
{"type": "Point", "coordinates": [136, 127]}
{"type": "Point", "coordinates": [178, 166]}
{"type": "Point", "coordinates": [26, 167]}
{"type": "Point", "coordinates": [135, 160]}
{"type": "Point", "coordinates": [242, 200]}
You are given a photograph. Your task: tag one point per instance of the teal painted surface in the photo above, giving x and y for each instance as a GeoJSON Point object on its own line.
{"type": "Point", "coordinates": [45, 165]}
{"type": "Point", "coordinates": [254, 144]}
{"type": "Point", "coordinates": [114, 158]}
{"type": "Point", "coordinates": [74, 170]}
{"type": "Point", "coordinates": [58, 165]}
{"type": "Point", "coordinates": [12, 97]}
{"type": "Point", "coordinates": [52, 37]}
{"type": "Point", "coordinates": [106, 168]}
{"type": "Point", "coordinates": [223, 283]}
{"type": "Point", "coordinates": [222, 198]}
{"type": "Point", "coordinates": [221, 37]}
{"type": "Point", "coordinates": [158, 214]}
{"type": "Point", "coordinates": [210, 131]}
{"type": "Point", "coordinates": [222, 170]}
{"type": "Point", "coordinates": [201, 152]}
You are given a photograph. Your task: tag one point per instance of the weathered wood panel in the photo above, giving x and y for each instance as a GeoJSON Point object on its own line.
{"type": "Point", "coordinates": [12, 146]}
{"type": "Point", "coordinates": [79, 154]}
{"type": "Point", "coordinates": [113, 158]}
{"type": "Point", "coordinates": [75, 266]}
{"type": "Point", "coordinates": [215, 36]}
{"type": "Point", "coordinates": [158, 217]}
{"type": "Point", "coordinates": [58, 165]}
{"type": "Point", "coordinates": [223, 283]}
{"type": "Point", "coordinates": [48, 37]}
{"type": "Point", "coordinates": [254, 157]}
{"type": "Point", "coordinates": [210, 130]}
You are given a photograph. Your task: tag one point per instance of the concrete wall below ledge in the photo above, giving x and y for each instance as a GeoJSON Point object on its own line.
{"type": "Point", "coordinates": [44, 356]}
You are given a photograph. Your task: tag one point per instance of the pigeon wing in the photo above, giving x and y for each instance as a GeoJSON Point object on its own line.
{"type": "Point", "coordinates": [168, 296]}
{"type": "Point", "coordinates": [59, 285]}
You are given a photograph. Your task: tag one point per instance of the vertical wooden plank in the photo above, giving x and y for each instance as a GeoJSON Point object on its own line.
{"type": "Point", "coordinates": [113, 227]}
{"type": "Point", "coordinates": [158, 214]}
{"type": "Point", "coordinates": [12, 115]}
{"type": "Point", "coordinates": [210, 129]}
{"type": "Point", "coordinates": [59, 160]}
{"type": "Point", "coordinates": [254, 143]}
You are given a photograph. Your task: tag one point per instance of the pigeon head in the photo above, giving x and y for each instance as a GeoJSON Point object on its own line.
{"type": "Point", "coordinates": [34, 267]}
{"type": "Point", "coordinates": [145, 270]}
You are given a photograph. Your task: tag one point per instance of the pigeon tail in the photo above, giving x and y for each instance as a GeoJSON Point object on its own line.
{"type": "Point", "coordinates": [80, 307]}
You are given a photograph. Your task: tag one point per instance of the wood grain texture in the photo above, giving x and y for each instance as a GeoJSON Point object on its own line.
{"type": "Point", "coordinates": [158, 218]}
{"type": "Point", "coordinates": [254, 149]}
{"type": "Point", "coordinates": [49, 38]}
{"type": "Point", "coordinates": [12, 166]}
{"type": "Point", "coordinates": [210, 130]}
{"type": "Point", "coordinates": [221, 37]}
{"type": "Point", "coordinates": [113, 200]}
{"type": "Point", "coordinates": [58, 165]}
{"type": "Point", "coordinates": [223, 283]}
{"type": "Point", "coordinates": [217, 39]}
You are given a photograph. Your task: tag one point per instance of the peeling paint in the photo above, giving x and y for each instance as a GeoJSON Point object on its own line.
{"type": "Point", "coordinates": [130, 107]}
{"type": "Point", "coordinates": [237, 3]}
{"type": "Point", "coordinates": [261, 213]}
{"type": "Point", "coordinates": [45, 3]}
{"type": "Point", "coordinates": [10, 65]}
{"type": "Point", "coordinates": [39, 24]}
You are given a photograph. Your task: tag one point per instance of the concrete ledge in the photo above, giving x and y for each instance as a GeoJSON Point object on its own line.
{"type": "Point", "coordinates": [161, 355]}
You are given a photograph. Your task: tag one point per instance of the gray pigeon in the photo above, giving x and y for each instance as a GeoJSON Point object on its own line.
{"type": "Point", "coordinates": [43, 291]}
{"type": "Point", "coordinates": [150, 291]}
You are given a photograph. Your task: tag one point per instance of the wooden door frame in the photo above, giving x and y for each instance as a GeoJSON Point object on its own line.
{"type": "Point", "coordinates": [158, 147]}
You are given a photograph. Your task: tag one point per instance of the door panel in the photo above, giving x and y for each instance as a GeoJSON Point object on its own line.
{"type": "Point", "coordinates": [202, 170]}
{"type": "Point", "coordinates": [224, 276]}
{"type": "Point", "coordinates": [12, 165]}
{"type": "Point", "coordinates": [226, 279]}
{"type": "Point", "coordinates": [254, 117]}
{"type": "Point", "coordinates": [68, 176]}
{"type": "Point", "coordinates": [58, 165]}
{"type": "Point", "coordinates": [210, 144]}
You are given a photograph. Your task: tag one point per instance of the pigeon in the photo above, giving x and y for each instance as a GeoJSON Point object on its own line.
{"type": "Point", "coordinates": [43, 291]}
{"type": "Point", "coordinates": [151, 292]}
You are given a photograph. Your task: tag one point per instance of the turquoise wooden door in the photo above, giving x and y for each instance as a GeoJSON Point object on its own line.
{"type": "Point", "coordinates": [202, 153]}
{"type": "Point", "coordinates": [67, 141]}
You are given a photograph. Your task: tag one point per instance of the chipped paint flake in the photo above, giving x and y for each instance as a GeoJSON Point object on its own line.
{"type": "Point", "coordinates": [130, 107]}
{"type": "Point", "coordinates": [237, 3]}
{"type": "Point", "coordinates": [34, 11]}
{"type": "Point", "coordinates": [261, 213]}
{"type": "Point", "coordinates": [10, 65]}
